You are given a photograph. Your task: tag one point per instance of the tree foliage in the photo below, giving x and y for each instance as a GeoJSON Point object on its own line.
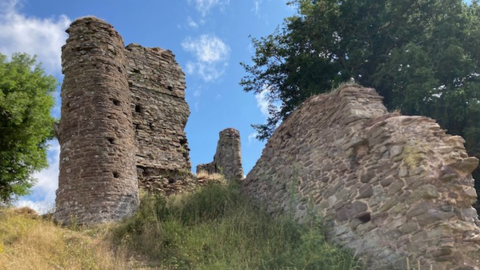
{"type": "Point", "coordinates": [422, 56]}
{"type": "Point", "coordinates": [25, 123]}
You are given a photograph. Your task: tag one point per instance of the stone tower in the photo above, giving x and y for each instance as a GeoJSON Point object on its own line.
{"type": "Point", "coordinates": [160, 113]}
{"type": "Point", "coordinates": [122, 128]}
{"type": "Point", "coordinates": [228, 157]}
{"type": "Point", "coordinates": [97, 181]}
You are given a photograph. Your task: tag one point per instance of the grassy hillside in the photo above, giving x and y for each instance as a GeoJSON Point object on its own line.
{"type": "Point", "coordinates": [213, 228]}
{"type": "Point", "coordinates": [28, 241]}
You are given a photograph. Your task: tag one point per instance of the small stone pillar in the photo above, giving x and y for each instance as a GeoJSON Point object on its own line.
{"type": "Point", "coordinates": [97, 180]}
{"type": "Point", "coordinates": [228, 157]}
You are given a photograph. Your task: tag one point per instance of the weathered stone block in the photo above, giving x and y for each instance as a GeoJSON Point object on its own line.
{"type": "Point", "coordinates": [387, 181]}
{"type": "Point", "coordinates": [396, 150]}
{"type": "Point", "coordinates": [365, 192]}
{"type": "Point", "coordinates": [395, 187]}
{"type": "Point", "coordinates": [426, 192]}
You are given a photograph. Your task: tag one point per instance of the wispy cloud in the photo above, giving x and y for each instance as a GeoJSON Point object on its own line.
{"type": "Point", "coordinates": [267, 101]}
{"type": "Point", "coordinates": [211, 55]}
{"type": "Point", "coordinates": [252, 136]}
{"type": "Point", "coordinates": [207, 48]}
{"type": "Point", "coordinates": [267, 105]}
{"type": "Point", "coordinates": [35, 36]}
{"type": "Point", "coordinates": [197, 106]}
{"type": "Point", "coordinates": [204, 6]}
{"type": "Point", "coordinates": [262, 102]}
{"type": "Point", "coordinates": [191, 23]}
{"type": "Point", "coordinates": [42, 198]}
{"type": "Point", "coordinates": [256, 7]}
{"type": "Point", "coordinates": [197, 93]}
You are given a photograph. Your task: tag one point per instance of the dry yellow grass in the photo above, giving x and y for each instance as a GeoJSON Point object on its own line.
{"type": "Point", "coordinates": [203, 176]}
{"type": "Point", "coordinates": [30, 242]}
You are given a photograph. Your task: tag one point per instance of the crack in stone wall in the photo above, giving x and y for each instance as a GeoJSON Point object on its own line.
{"type": "Point", "coordinates": [386, 186]}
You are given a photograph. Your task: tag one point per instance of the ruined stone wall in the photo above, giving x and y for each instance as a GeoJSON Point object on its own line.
{"type": "Point", "coordinates": [228, 158]}
{"type": "Point", "coordinates": [123, 120]}
{"type": "Point", "coordinates": [386, 186]}
{"type": "Point", "coordinates": [160, 113]}
{"type": "Point", "coordinates": [97, 180]}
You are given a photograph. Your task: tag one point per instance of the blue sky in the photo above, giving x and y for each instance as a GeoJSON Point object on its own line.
{"type": "Point", "coordinates": [208, 37]}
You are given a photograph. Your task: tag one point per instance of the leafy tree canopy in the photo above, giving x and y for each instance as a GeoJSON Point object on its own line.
{"type": "Point", "coordinates": [25, 123]}
{"type": "Point", "coordinates": [422, 56]}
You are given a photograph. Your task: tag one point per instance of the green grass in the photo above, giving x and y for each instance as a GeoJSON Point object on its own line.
{"type": "Point", "coordinates": [218, 228]}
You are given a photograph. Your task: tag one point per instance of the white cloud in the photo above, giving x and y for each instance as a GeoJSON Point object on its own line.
{"type": "Point", "coordinates": [262, 102]}
{"type": "Point", "coordinates": [211, 55]}
{"type": "Point", "coordinates": [266, 107]}
{"type": "Point", "coordinates": [197, 106]}
{"type": "Point", "coordinates": [41, 207]}
{"type": "Point", "coordinates": [42, 37]}
{"type": "Point", "coordinates": [191, 23]}
{"type": "Point", "coordinates": [42, 199]}
{"type": "Point", "coordinates": [197, 93]}
{"type": "Point", "coordinates": [267, 102]}
{"type": "Point", "coordinates": [207, 48]}
{"type": "Point", "coordinates": [204, 6]}
{"type": "Point", "coordinates": [252, 136]}
{"type": "Point", "coordinates": [190, 68]}
{"type": "Point", "coordinates": [256, 7]}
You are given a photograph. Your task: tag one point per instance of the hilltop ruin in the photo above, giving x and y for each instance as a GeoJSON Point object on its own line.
{"type": "Point", "coordinates": [123, 119]}
{"type": "Point", "coordinates": [385, 185]}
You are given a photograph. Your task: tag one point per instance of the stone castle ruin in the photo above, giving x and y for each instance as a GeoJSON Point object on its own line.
{"type": "Point", "coordinates": [387, 186]}
{"type": "Point", "coordinates": [123, 120]}
{"type": "Point", "coordinates": [228, 157]}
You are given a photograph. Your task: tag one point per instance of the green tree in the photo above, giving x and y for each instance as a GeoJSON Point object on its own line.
{"type": "Point", "coordinates": [25, 123]}
{"type": "Point", "coordinates": [421, 55]}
